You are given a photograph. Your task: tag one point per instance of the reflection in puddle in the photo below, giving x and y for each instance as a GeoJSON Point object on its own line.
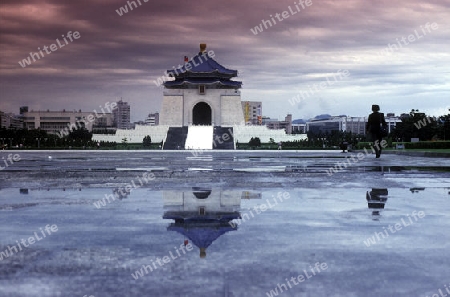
{"type": "Point", "coordinates": [104, 248]}
{"type": "Point", "coordinates": [203, 214]}
{"type": "Point", "coordinates": [376, 199]}
{"type": "Point", "coordinates": [406, 169]}
{"type": "Point", "coordinates": [416, 190]}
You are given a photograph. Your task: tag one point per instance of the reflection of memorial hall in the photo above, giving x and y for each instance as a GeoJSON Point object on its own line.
{"type": "Point", "coordinates": [202, 215]}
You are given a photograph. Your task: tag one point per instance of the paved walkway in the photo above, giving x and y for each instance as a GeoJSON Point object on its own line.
{"type": "Point", "coordinates": [98, 247]}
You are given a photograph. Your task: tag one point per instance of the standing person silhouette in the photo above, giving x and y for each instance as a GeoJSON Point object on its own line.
{"type": "Point", "coordinates": [374, 122]}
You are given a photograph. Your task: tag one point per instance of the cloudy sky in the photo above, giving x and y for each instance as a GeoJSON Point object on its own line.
{"type": "Point", "coordinates": [120, 56]}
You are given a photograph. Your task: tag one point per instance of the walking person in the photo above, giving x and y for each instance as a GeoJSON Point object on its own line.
{"type": "Point", "coordinates": [376, 128]}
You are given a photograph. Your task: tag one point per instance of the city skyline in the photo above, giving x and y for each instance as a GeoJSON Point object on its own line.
{"type": "Point", "coordinates": [394, 56]}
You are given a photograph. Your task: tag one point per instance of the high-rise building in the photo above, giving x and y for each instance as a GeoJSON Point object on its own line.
{"type": "Point", "coordinates": [286, 124]}
{"type": "Point", "coordinates": [10, 121]}
{"type": "Point", "coordinates": [252, 112]}
{"type": "Point", "coordinates": [122, 115]}
{"type": "Point", "coordinates": [152, 119]}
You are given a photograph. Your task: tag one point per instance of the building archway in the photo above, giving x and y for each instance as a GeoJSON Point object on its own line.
{"type": "Point", "coordinates": [202, 114]}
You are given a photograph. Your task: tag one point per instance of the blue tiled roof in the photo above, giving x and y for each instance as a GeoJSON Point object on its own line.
{"type": "Point", "coordinates": [203, 63]}
{"type": "Point", "coordinates": [203, 81]}
{"type": "Point", "coordinates": [202, 237]}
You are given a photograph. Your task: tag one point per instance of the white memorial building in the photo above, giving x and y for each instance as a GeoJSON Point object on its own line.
{"type": "Point", "coordinates": [201, 109]}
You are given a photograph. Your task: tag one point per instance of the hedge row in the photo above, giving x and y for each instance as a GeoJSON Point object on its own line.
{"type": "Point", "coordinates": [412, 145]}
{"type": "Point", "coordinates": [428, 145]}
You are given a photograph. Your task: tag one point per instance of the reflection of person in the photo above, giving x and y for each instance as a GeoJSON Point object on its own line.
{"type": "Point", "coordinates": [374, 121]}
{"type": "Point", "coordinates": [376, 198]}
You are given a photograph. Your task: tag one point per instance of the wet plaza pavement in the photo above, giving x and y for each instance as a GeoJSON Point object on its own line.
{"type": "Point", "coordinates": [251, 223]}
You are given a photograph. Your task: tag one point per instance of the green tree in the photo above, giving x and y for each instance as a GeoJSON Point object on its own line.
{"type": "Point", "coordinates": [254, 142]}
{"type": "Point", "coordinates": [79, 137]}
{"type": "Point", "coordinates": [443, 123]}
{"type": "Point", "coordinates": [416, 124]}
{"type": "Point", "coordinates": [147, 141]}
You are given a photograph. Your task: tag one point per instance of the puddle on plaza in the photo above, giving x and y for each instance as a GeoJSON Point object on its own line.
{"type": "Point", "coordinates": [216, 241]}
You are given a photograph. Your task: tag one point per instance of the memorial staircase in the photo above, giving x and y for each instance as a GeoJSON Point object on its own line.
{"type": "Point", "coordinates": [223, 138]}
{"type": "Point", "coordinates": [199, 138]}
{"type": "Point", "coordinates": [176, 138]}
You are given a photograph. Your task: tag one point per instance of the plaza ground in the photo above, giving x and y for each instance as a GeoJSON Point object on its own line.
{"type": "Point", "coordinates": [326, 220]}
